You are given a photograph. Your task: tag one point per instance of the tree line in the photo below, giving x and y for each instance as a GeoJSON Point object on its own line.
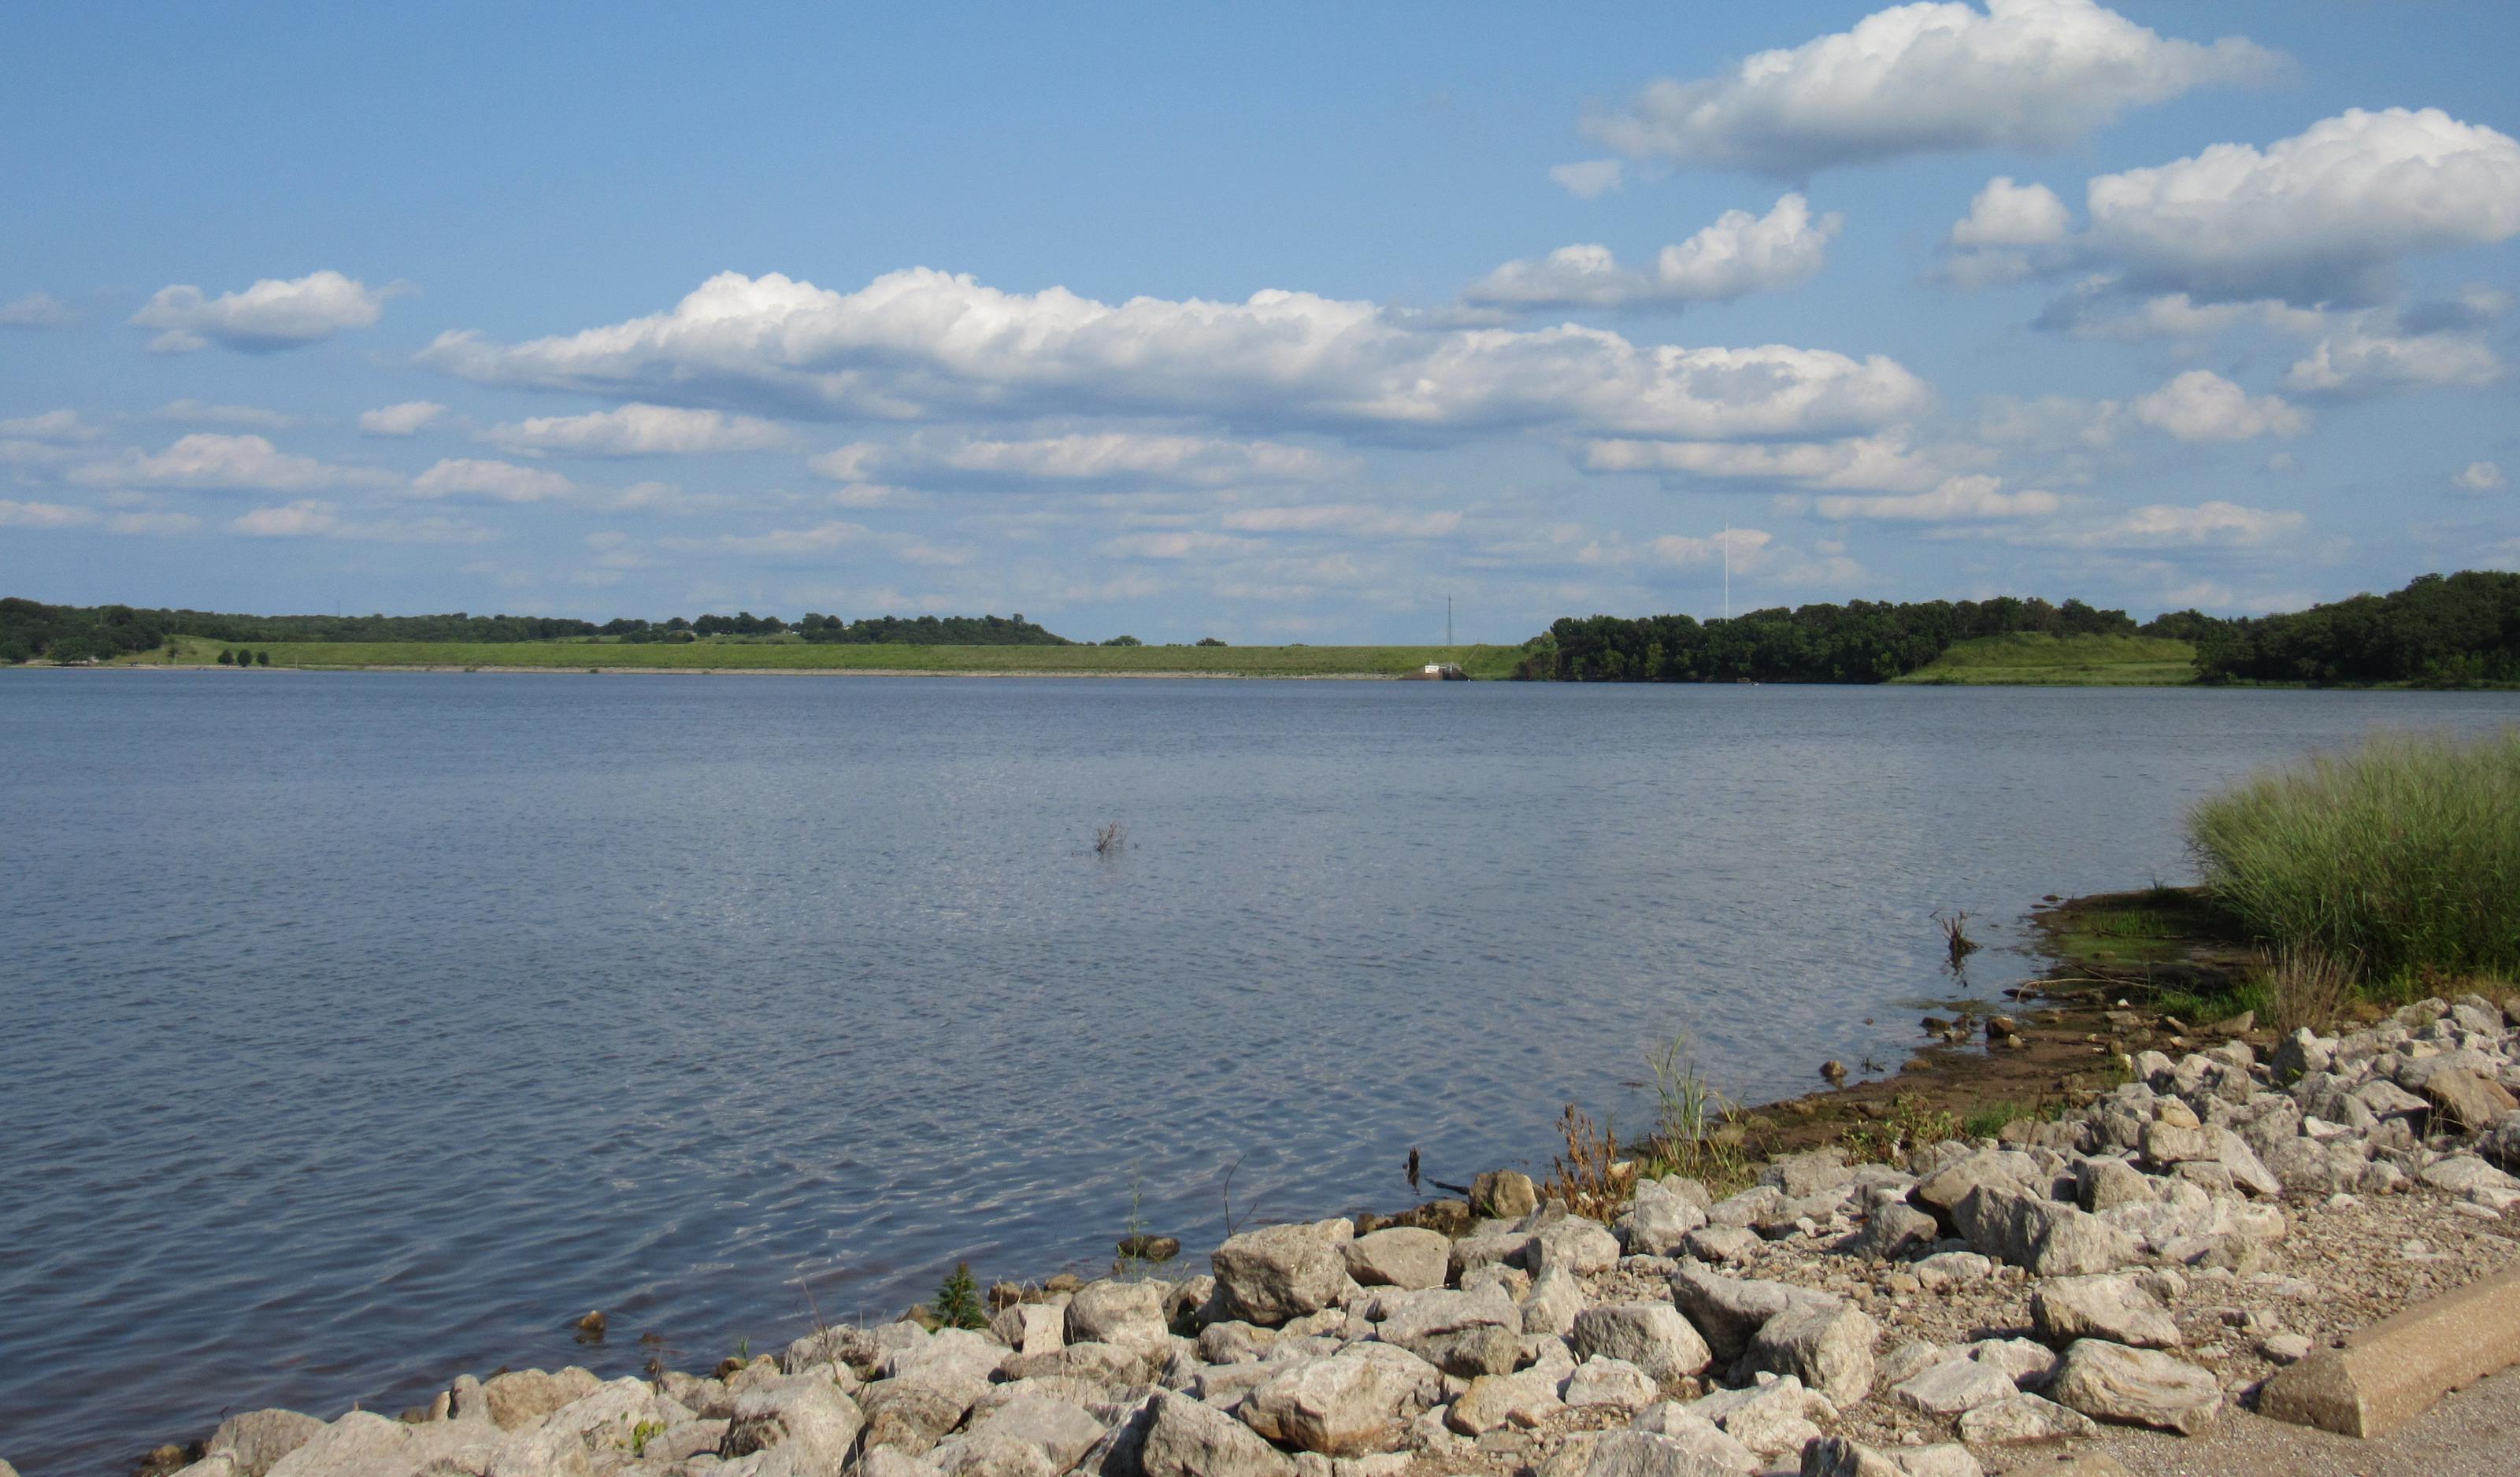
{"type": "Point", "coordinates": [30, 629]}
{"type": "Point", "coordinates": [1859, 642]}
{"type": "Point", "coordinates": [2454, 630]}
{"type": "Point", "coordinates": [2442, 630]}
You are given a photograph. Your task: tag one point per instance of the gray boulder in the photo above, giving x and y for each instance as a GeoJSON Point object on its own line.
{"type": "Point", "coordinates": [1182, 1437]}
{"type": "Point", "coordinates": [1063, 1431]}
{"type": "Point", "coordinates": [2021, 1419]}
{"type": "Point", "coordinates": [1829, 1348]}
{"type": "Point", "coordinates": [801, 1411]}
{"type": "Point", "coordinates": [1954, 1387]}
{"type": "Point", "coordinates": [2111, 1307]}
{"type": "Point", "coordinates": [915, 1411]}
{"type": "Point", "coordinates": [1653, 1336]}
{"type": "Point", "coordinates": [1125, 1314]}
{"type": "Point", "coordinates": [1550, 1306]}
{"type": "Point", "coordinates": [1631, 1454]}
{"type": "Point", "coordinates": [1361, 1401]}
{"type": "Point", "coordinates": [1891, 1232]}
{"type": "Point", "coordinates": [1611, 1382]}
{"type": "Point", "coordinates": [2136, 1387]}
{"type": "Point", "coordinates": [1401, 1256]}
{"type": "Point", "coordinates": [1837, 1456]}
{"type": "Point", "coordinates": [1729, 1311]}
{"type": "Point", "coordinates": [1278, 1272]}
{"type": "Point", "coordinates": [1799, 1176]}
{"type": "Point", "coordinates": [1412, 1318]}
{"type": "Point", "coordinates": [522, 1396]}
{"type": "Point", "coordinates": [1658, 1224]}
{"type": "Point", "coordinates": [1702, 1437]}
{"type": "Point", "coordinates": [256, 1440]}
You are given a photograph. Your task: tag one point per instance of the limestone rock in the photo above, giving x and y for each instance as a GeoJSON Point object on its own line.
{"type": "Point", "coordinates": [1550, 1306]}
{"type": "Point", "coordinates": [1028, 1328]}
{"type": "Point", "coordinates": [1360, 1400]}
{"type": "Point", "coordinates": [1472, 1351]}
{"type": "Point", "coordinates": [1702, 1438]}
{"type": "Point", "coordinates": [1498, 1400]}
{"type": "Point", "coordinates": [1412, 1318]}
{"type": "Point", "coordinates": [2027, 1364]}
{"type": "Point", "coordinates": [2107, 1306]}
{"type": "Point", "coordinates": [1829, 1348]}
{"type": "Point", "coordinates": [2461, 1098]}
{"type": "Point", "coordinates": [1631, 1454]}
{"type": "Point", "coordinates": [1837, 1456]}
{"type": "Point", "coordinates": [522, 1396]}
{"type": "Point", "coordinates": [1611, 1382]}
{"type": "Point", "coordinates": [914, 1410]}
{"type": "Point", "coordinates": [1062, 1430]}
{"type": "Point", "coordinates": [1773, 1418]}
{"type": "Point", "coordinates": [1278, 1272]}
{"type": "Point", "coordinates": [799, 1410]}
{"type": "Point", "coordinates": [1653, 1336]}
{"type": "Point", "coordinates": [1799, 1176]}
{"type": "Point", "coordinates": [1504, 1195]}
{"type": "Point", "coordinates": [1731, 1311]}
{"type": "Point", "coordinates": [1944, 1460]}
{"type": "Point", "coordinates": [1730, 1244]}
{"type": "Point", "coordinates": [1182, 1437]}
{"type": "Point", "coordinates": [2023, 1418]}
{"type": "Point", "coordinates": [1582, 1247]}
{"type": "Point", "coordinates": [257, 1439]}
{"type": "Point", "coordinates": [1125, 1314]}
{"type": "Point", "coordinates": [1954, 1387]}
{"type": "Point", "coordinates": [1658, 1224]}
{"type": "Point", "coordinates": [2136, 1387]}
{"type": "Point", "coordinates": [1403, 1256]}
{"type": "Point", "coordinates": [1892, 1231]}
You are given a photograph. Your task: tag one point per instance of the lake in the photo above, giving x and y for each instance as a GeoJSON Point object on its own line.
{"type": "Point", "coordinates": [370, 1028]}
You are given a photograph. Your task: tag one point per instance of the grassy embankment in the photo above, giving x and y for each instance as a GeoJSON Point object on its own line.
{"type": "Point", "coordinates": [804, 656]}
{"type": "Point", "coordinates": [2029, 660]}
{"type": "Point", "coordinates": [2353, 881]}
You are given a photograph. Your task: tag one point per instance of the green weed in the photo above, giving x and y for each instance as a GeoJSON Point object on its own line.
{"type": "Point", "coordinates": [2397, 857]}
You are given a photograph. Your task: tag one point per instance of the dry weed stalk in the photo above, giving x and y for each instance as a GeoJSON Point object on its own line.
{"type": "Point", "coordinates": [1590, 1177]}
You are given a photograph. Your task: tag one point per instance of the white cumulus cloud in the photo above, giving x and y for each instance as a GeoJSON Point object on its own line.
{"type": "Point", "coordinates": [1740, 254]}
{"type": "Point", "coordinates": [1868, 463]}
{"type": "Point", "coordinates": [916, 343]}
{"type": "Point", "coordinates": [1094, 457]}
{"type": "Point", "coordinates": [202, 413]}
{"type": "Point", "coordinates": [2360, 358]}
{"type": "Point", "coordinates": [16, 514]}
{"type": "Point", "coordinates": [1589, 179]}
{"type": "Point", "coordinates": [1925, 79]}
{"type": "Point", "coordinates": [52, 425]}
{"type": "Point", "coordinates": [2479, 477]}
{"type": "Point", "coordinates": [2314, 218]}
{"type": "Point", "coordinates": [36, 310]}
{"type": "Point", "coordinates": [211, 461]}
{"type": "Point", "coordinates": [1353, 520]}
{"type": "Point", "coordinates": [407, 419]}
{"type": "Point", "coordinates": [2008, 234]}
{"type": "Point", "coordinates": [1959, 499]}
{"type": "Point", "coordinates": [2201, 405]}
{"type": "Point", "coordinates": [640, 431]}
{"type": "Point", "coordinates": [272, 314]}
{"type": "Point", "coordinates": [499, 481]}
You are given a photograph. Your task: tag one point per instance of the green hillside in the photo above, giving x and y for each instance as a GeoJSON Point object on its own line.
{"type": "Point", "coordinates": [2027, 659]}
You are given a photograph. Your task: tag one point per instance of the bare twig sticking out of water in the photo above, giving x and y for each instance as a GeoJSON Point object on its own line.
{"type": "Point", "coordinates": [1956, 940]}
{"type": "Point", "coordinates": [1110, 839]}
{"type": "Point", "coordinates": [1231, 1223]}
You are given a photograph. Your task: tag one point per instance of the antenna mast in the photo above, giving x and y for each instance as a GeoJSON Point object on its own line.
{"type": "Point", "coordinates": [1448, 620]}
{"type": "Point", "coordinates": [1728, 571]}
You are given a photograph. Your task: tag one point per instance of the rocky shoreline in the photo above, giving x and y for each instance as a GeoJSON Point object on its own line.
{"type": "Point", "coordinates": [2148, 1259]}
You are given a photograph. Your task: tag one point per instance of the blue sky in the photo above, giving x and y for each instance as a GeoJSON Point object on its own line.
{"type": "Point", "coordinates": [1276, 324]}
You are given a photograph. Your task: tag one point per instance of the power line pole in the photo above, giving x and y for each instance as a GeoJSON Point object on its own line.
{"type": "Point", "coordinates": [1728, 571]}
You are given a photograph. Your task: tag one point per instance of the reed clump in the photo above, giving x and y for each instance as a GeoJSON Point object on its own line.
{"type": "Point", "coordinates": [2397, 859]}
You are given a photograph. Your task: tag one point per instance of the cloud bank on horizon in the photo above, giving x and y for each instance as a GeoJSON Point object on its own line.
{"type": "Point", "coordinates": [1957, 299]}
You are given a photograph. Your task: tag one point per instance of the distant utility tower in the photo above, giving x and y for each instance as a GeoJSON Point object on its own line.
{"type": "Point", "coordinates": [1448, 620]}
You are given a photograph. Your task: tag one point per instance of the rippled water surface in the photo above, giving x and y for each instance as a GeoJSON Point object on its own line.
{"type": "Point", "coordinates": [367, 1029]}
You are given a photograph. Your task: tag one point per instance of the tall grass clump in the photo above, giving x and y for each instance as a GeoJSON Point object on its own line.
{"type": "Point", "coordinates": [2402, 855]}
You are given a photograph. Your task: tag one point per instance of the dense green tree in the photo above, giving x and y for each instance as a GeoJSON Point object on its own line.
{"type": "Point", "coordinates": [263, 658]}
{"type": "Point", "coordinates": [227, 658]}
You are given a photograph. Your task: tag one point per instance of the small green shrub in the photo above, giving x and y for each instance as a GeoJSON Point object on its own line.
{"type": "Point", "coordinates": [2401, 856]}
{"type": "Point", "coordinates": [958, 1300]}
